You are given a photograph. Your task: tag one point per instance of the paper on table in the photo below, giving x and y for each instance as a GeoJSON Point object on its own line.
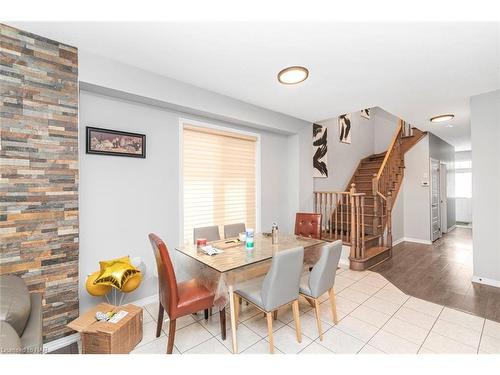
{"type": "Point", "coordinates": [118, 316]}
{"type": "Point", "coordinates": [210, 250]}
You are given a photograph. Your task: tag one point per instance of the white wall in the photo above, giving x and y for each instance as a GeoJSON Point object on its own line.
{"type": "Point", "coordinates": [384, 126]}
{"type": "Point", "coordinates": [343, 158]}
{"type": "Point", "coordinates": [179, 96]}
{"type": "Point", "coordinates": [368, 136]}
{"type": "Point", "coordinates": [122, 199]}
{"type": "Point", "coordinates": [463, 204]}
{"type": "Point", "coordinates": [398, 215]}
{"type": "Point", "coordinates": [417, 214]}
{"type": "Point", "coordinates": [485, 137]}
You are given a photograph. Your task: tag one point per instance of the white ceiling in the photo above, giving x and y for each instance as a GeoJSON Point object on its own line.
{"type": "Point", "coordinates": [413, 70]}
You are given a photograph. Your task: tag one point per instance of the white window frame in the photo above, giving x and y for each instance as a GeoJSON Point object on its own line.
{"type": "Point", "coordinates": [203, 124]}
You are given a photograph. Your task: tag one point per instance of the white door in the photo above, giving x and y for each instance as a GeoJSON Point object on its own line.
{"type": "Point", "coordinates": [443, 198]}
{"type": "Point", "coordinates": [435, 206]}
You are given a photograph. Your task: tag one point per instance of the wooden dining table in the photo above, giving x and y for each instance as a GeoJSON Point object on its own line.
{"type": "Point", "coordinates": [223, 272]}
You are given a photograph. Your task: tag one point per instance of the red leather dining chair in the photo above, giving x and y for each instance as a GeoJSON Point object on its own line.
{"type": "Point", "coordinates": [308, 225]}
{"type": "Point", "coordinates": [179, 299]}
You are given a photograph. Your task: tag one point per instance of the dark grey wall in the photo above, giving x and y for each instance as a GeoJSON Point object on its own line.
{"type": "Point", "coordinates": [444, 152]}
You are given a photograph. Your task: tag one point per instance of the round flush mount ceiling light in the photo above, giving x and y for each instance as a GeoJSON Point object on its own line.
{"type": "Point", "coordinates": [442, 118]}
{"type": "Point", "coordinates": [293, 75]}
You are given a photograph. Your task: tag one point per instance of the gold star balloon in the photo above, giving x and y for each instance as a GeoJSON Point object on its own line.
{"type": "Point", "coordinates": [116, 272]}
{"type": "Point", "coordinates": [96, 290]}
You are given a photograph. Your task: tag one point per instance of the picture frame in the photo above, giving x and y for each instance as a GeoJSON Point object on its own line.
{"type": "Point", "coordinates": [344, 124]}
{"type": "Point", "coordinates": [365, 113]}
{"type": "Point", "coordinates": [320, 151]}
{"type": "Point", "coordinates": [102, 141]}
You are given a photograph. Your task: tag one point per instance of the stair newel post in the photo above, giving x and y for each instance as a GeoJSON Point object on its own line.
{"type": "Point", "coordinates": [353, 220]}
{"type": "Point", "coordinates": [362, 226]}
{"type": "Point", "coordinates": [389, 220]}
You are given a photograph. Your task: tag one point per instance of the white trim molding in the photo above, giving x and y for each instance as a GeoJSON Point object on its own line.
{"type": "Point", "coordinates": [409, 239]}
{"type": "Point", "coordinates": [398, 241]}
{"type": "Point", "coordinates": [486, 281]}
{"type": "Point", "coordinates": [52, 346]}
{"type": "Point", "coordinates": [451, 228]}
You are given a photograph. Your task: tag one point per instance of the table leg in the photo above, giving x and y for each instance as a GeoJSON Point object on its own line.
{"type": "Point", "coordinates": [233, 319]}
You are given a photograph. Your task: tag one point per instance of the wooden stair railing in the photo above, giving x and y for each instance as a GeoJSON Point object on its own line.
{"type": "Point", "coordinates": [345, 215]}
{"type": "Point", "coordinates": [361, 215]}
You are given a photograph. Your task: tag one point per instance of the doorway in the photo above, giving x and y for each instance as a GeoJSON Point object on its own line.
{"type": "Point", "coordinates": [443, 201]}
{"type": "Point", "coordinates": [435, 201]}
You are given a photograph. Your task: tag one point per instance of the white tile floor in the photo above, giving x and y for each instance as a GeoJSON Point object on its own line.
{"type": "Point", "coordinates": [375, 318]}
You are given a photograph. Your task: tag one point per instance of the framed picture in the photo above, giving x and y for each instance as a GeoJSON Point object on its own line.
{"type": "Point", "coordinates": [345, 128]}
{"type": "Point", "coordinates": [320, 151]}
{"type": "Point", "coordinates": [115, 142]}
{"type": "Point", "coordinates": [365, 113]}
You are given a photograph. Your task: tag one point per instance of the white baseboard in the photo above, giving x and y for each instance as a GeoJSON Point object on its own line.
{"type": "Point", "coordinates": [60, 343]}
{"type": "Point", "coordinates": [416, 240]}
{"type": "Point", "coordinates": [75, 337]}
{"type": "Point", "coordinates": [486, 281]}
{"type": "Point", "coordinates": [451, 228]}
{"type": "Point", "coordinates": [394, 243]}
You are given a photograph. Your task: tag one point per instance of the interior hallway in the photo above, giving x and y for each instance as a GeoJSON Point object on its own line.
{"type": "Point", "coordinates": [441, 273]}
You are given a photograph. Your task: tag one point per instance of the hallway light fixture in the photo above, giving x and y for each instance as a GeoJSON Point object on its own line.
{"type": "Point", "coordinates": [442, 118]}
{"type": "Point", "coordinates": [293, 75]}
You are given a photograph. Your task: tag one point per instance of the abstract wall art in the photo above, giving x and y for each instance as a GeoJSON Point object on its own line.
{"type": "Point", "coordinates": [344, 122]}
{"type": "Point", "coordinates": [365, 113]}
{"type": "Point", "coordinates": [320, 151]}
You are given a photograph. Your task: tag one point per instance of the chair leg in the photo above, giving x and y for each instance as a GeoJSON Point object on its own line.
{"type": "Point", "coordinates": [331, 294]}
{"type": "Point", "coordinates": [206, 314]}
{"type": "Point", "coordinates": [295, 308]}
{"type": "Point", "coordinates": [318, 320]}
{"type": "Point", "coordinates": [270, 332]}
{"type": "Point", "coordinates": [310, 301]}
{"type": "Point", "coordinates": [237, 300]}
{"type": "Point", "coordinates": [159, 323]}
{"type": "Point", "coordinates": [275, 314]}
{"type": "Point", "coordinates": [171, 336]}
{"type": "Point", "coordinates": [222, 318]}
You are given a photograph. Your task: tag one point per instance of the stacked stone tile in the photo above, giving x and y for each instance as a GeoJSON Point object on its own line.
{"type": "Point", "coordinates": [39, 171]}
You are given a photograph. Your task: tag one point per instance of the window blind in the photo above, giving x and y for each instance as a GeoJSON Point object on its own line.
{"type": "Point", "coordinates": [219, 179]}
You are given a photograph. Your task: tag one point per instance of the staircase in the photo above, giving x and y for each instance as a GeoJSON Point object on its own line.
{"type": "Point", "coordinates": [360, 216]}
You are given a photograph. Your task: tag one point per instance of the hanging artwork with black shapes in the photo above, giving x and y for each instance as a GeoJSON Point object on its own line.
{"type": "Point", "coordinates": [344, 122]}
{"type": "Point", "coordinates": [320, 150]}
{"type": "Point", "coordinates": [365, 113]}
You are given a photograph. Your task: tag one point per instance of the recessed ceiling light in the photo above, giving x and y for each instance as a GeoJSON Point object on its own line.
{"type": "Point", "coordinates": [442, 118]}
{"type": "Point", "coordinates": [449, 126]}
{"type": "Point", "coordinates": [293, 75]}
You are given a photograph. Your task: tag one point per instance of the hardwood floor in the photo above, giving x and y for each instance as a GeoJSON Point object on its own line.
{"type": "Point", "coordinates": [441, 273]}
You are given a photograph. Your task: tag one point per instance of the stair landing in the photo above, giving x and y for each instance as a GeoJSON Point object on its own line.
{"type": "Point", "coordinates": [373, 256]}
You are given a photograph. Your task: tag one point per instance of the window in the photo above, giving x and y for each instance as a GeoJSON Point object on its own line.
{"type": "Point", "coordinates": [463, 179]}
{"type": "Point", "coordinates": [463, 185]}
{"type": "Point", "coordinates": [219, 178]}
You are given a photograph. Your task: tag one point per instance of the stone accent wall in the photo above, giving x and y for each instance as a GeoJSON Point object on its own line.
{"type": "Point", "coordinates": [39, 171]}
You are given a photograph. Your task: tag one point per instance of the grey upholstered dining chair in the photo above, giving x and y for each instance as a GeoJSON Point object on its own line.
{"type": "Point", "coordinates": [233, 230]}
{"type": "Point", "coordinates": [209, 233]}
{"type": "Point", "coordinates": [279, 287]}
{"type": "Point", "coordinates": [321, 279]}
